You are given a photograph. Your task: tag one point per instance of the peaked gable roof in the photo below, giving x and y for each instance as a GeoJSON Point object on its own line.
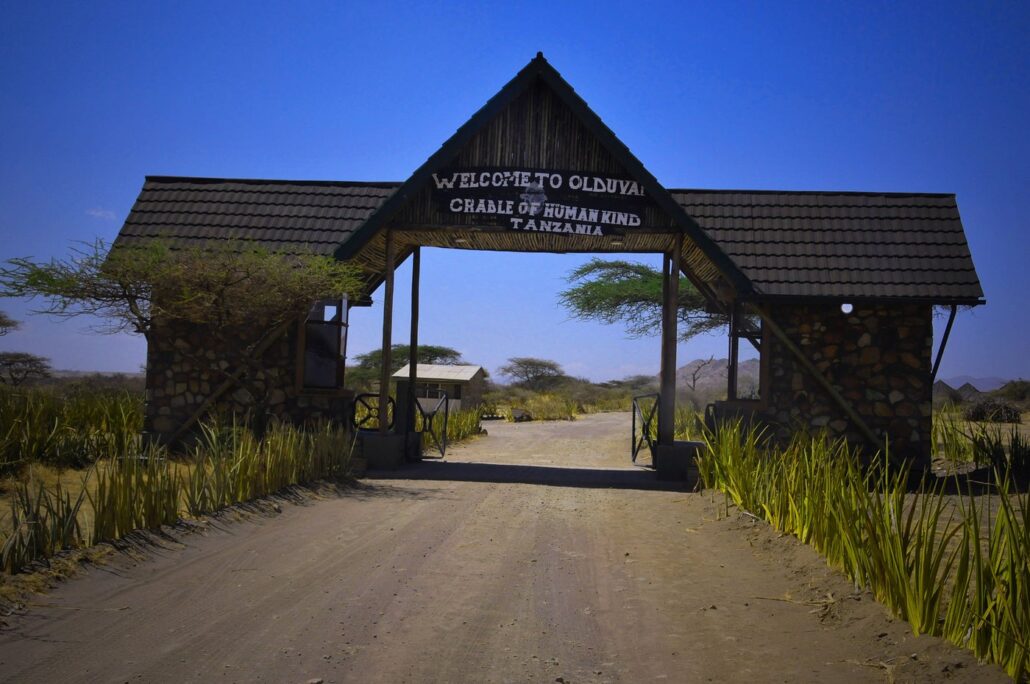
{"type": "Point", "coordinates": [540, 70]}
{"type": "Point", "coordinates": [842, 245]}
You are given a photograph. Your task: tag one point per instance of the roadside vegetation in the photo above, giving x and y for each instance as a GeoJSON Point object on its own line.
{"type": "Point", "coordinates": [541, 390]}
{"type": "Point", "coordinates": [132, 489]}
{"type": "Point", "coordinates": [67, 427]}
{"type": "Point", "coordinates": [952, 562]}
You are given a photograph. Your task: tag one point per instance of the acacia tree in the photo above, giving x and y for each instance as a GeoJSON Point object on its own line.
{"type": "Point", "coordinates": [698, 371]}
{"type": "Point", "coordinates": [533, 373]}
{"type": "Point", "coordinates": [631, 293]}
{"type": "Point", "coordinates": [17, 367]}
{"type": "Point", "coordinates": [238, 294]}
{"type": "Point", "coordinates": [7, 324]}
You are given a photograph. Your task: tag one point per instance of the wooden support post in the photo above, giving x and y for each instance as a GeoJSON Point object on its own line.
{"type": "Point", "coordinates": [416, 267]}
{"type": "Point", "coordinates": [384, 375]}
{"type": "Point", "coordinates": [731, 369]}
{"type": "Point", "coordinates": [670, 301]}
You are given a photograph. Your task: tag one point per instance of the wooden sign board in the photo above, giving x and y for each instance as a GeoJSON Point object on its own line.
{"type": "Point", "coordinates": [539, 200]}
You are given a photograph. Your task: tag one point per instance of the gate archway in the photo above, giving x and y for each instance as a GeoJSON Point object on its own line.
{"type": "Point", "coordinates": [536, 170]}
{"type": "Point", "coordinates": [835, 288]}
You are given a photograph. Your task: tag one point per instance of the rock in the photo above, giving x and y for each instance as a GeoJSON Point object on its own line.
{"type": "Point", "coordinates": [896, 396]}
{"type": "Point", "coordinates": [163, 424]}
{"type": "Point", "coordinates": [865, 340]}
{"type": "Point", "coordinates": [910, 360]}
{"type": "Point", "coordinates": [869, 356]}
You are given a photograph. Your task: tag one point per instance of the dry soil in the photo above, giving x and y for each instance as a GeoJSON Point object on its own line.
{"type": "Point", "coordinates": [534, 554]}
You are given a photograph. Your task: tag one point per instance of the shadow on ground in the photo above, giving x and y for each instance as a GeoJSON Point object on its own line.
{"type": "Point", "coordinates": [554, 476]}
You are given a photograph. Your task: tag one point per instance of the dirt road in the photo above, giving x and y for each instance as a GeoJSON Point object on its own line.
{"type": "Point", "coordinates": [523, 557]}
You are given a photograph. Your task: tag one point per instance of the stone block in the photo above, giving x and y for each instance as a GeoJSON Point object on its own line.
{"type": "Point", "coordinates": [383, 452]}
{"type": "Point", "coordinates": [677, 461]}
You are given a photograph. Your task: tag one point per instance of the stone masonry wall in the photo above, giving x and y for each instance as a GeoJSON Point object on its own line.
{"type": "Point", "coordinates": [878, 357]}
{"type": "Point", "coordinates": [177, 383]}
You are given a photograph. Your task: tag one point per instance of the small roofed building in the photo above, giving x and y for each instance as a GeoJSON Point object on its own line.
{"type": "Point", "coordinates": [463, 385]}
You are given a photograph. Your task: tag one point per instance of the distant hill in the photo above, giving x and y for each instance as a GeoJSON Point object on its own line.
{"type": "Point", "coordinates": [968, 392]}
{"type": "Point", "coordinates": [92, 374]}
{"type": "Point", "coordinates": [980, 384]}
{"type": "Point", "coordinates": [943, 393]}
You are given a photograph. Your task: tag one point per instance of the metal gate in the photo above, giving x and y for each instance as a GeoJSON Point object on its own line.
{"type": "Point", "coordinates": [644, 417]}
{"type": "Point", "coordinates": [365, 412]}
{"type": "Point", "coordinates": [436, 429]}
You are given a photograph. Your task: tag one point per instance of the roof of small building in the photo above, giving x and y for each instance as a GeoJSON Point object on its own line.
{"type": "Point", "coordinates": [842, 245]}
{"type": "Point", "coordinates": [434, 372]}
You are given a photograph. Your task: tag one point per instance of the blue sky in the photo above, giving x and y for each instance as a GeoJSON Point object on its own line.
{"type": "Point", "coordinates": [927, 97]}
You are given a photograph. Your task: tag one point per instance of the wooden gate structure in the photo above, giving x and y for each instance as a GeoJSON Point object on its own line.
{"type": "Point", "coordinates": [835, 289]}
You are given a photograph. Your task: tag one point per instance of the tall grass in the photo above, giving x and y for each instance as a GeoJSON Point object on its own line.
{"type": "Point", "coordinates": [547, 406]}
{"type": "Point", "coordinates": [71, 430]}
{"type": "Point", "coordinates": [144, 491]}
{"type": "Point", "coordinates": [950, 439]}
{"type": "Point", "coordinates": [1003, 449]}
{"type": "Point", "coordinates": [464, 424]}
{"type": "Point", "coordinates": [942, 562]}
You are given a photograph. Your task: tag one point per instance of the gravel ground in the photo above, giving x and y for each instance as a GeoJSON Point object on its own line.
{"type": "Point", "coordinates": [533, 554]}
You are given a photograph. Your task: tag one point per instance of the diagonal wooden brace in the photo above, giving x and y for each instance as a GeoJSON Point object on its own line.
{"type": "Point", "coordinates": [812, 371]}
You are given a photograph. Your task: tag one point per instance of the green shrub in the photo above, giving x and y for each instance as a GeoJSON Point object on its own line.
{"type": "Point", "coordinates": [993, 411]}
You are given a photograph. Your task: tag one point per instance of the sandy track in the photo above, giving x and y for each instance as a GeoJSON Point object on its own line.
{"type": "Point", "coordinates": [493, 566]}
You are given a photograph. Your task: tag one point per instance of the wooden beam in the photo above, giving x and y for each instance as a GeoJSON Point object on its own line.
{"type": "Point", "coordinates": [814, 373]}
{"type": "Point", "coordinates": [384, 374]}
{"type": "Point", "coordinates": [714, 302]}
{"type": "Point", "coordinates": [229, 382]}
{"type": "Point", "coordinates": [731, 367]}
{"type": "Point", "coordinates": [944, 343]}
{"type": "Point", "coordinates": [670, 316]}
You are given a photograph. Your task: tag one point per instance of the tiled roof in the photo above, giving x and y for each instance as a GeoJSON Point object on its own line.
{"type": "Point", "coordinates": [846, 244]}
{"type": "Point", "coordinates": [290, 216]}
{"type": "Point", "coordinates": [795, 244]}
